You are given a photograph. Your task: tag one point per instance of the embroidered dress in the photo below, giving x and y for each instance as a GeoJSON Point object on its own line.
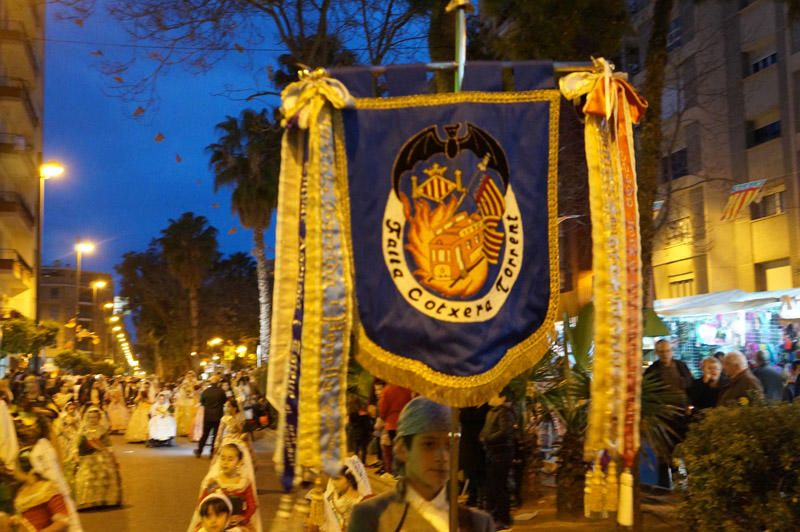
{"type": "Point", "coordinates": [162, 428]}
{"type": "Point", "coordinates": [230, 428]}
{"type": "Point", "coordinates": [185, 408]}
{"type": "Point", "coordinates": [118, 413]}
{"type": "Point", "coordinates": [197, 424]}
{"type": "Point", "coordinates": [97, 481]}
{"type": "Point", "coordinates": [66, 430]}
{"type": "Point", "coordinates": [41, 505]}
{"type": "Point", "coordinates": [138, 426]}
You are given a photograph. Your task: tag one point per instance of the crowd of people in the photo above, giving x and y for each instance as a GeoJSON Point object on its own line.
{"type": "Point", "coordinates": [728, 379]}
{"type": "Point", "coordinates": [56, 455]}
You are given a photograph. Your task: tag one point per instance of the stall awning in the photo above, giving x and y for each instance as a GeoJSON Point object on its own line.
{"type": "Point", "coordinates": [720, 302]}
{"type": "Point", "coordinates": [741, 196]}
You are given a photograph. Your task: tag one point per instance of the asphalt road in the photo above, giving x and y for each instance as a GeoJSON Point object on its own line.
{"type": "Point", "coordinates": [161, 486]}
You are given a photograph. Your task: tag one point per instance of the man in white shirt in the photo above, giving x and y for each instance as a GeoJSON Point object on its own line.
{"type": "Point", "coordinates": [420, 501]}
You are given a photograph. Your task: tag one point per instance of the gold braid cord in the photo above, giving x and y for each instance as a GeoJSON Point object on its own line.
{"type": "Point", "coordinates": [611, 107]}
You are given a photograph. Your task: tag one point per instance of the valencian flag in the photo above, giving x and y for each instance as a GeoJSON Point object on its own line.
{"type": "Point", "coordinates": [741, 196]}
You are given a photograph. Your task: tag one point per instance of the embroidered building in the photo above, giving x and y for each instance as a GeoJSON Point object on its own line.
{"type": "Point", "coordinates": [457, 247]}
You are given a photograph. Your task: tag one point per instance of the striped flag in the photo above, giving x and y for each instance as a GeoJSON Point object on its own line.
{"type": "Point", "coordinates": [492, 206]}
{"type": "Point", "coordinates": [741, 196]}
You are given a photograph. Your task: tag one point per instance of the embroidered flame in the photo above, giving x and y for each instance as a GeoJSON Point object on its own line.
{"type": "Point", "coordinates": [463, 278]}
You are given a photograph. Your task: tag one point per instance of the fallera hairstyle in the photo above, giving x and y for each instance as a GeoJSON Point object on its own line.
{"type": "Point", "coordinates": [351, 479]}
{"type": "Point", "coordinates": [235, 447]}
{"type": "Point", "coordinates": [215, 504]}
{"type": "Point", "coordinates": [234, 404]}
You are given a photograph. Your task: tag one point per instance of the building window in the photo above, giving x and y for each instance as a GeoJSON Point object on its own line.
{"type": "Point", "coordinates": [55, 293]}
{"type": "Point", "coordinates": [763, 62]}
{"type": "Point", "coordinates": [54, 313]}
{"type": "Point", "coordinates": [764, 134]}
{"type": "Point", "coordinates": [681, 286]}
{"type": "Point", "coordinates": [674, 34]}
{"type": "Point", "coordinates": [770, 205]}
{"type": "Point", "coordinates": [675, 166]}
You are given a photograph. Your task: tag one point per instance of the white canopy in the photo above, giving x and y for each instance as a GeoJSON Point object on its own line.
{"type": "Point", "coordinates": [720, 302]}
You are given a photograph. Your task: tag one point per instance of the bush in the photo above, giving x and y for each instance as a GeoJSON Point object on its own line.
{"type": "Point", "coordinates": [75, 362]}
{"type": "Point", "coordinates": [743, 469]}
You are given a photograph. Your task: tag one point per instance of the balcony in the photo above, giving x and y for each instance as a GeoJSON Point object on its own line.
{"type": "Point", "coordinates": [16, 89]}
{"type": "Point", "coordinates": [14, 31]}
{"type": "Point", "coordinates": [15, 209]}
{"type": "Point", "coordinates": [17, 157]}
{"type": "Point", "coordinates": [16, 275]}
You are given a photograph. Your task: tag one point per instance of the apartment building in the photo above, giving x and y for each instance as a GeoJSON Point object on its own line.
{"type": "Point", "coordinates": [21, 105]}
{"type": "Point", "coordinates": [728, 211]}
{"type": "Point", "coordinates": [61, 299]}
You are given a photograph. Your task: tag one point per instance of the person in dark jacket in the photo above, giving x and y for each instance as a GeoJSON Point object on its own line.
{"type": "Point", "coordinates": [497, 437]}
{"type": "Point", "coordinates": [675, 375]}
{"type": "Point", "coordinates": [213, 401]}
{"type": "Point", "coordinates": [705, 390]}
{"type": "Point", "coordinates": [744, 387]}
{"type": "Point", "coordinates": [770, 378]}
{"type": "Point", "coordinates": [471, 453]}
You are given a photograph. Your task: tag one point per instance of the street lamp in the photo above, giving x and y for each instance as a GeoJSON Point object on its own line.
{"type": "Point", "coordinates": [97, 285]}
{"type": "Point", "coordinates": [81, 247]}
{"type": "Point", "coordinates": [46, 171]}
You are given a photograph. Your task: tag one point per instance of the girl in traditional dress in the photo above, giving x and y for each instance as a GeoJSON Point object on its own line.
{"type": "Point", "coordinates": [231, 473]}
{"type": "Point", "coordinates": [39, 502]}
{"type": "Point", "coordinates": [65, 432]}
{"type": "Point", "coordinates": [185, 406]}
{"type": "Point", "coordinates": [231, 426]}
{"type": "Point", "coordinates": [348, 488]}
{"type": "Point", "coordinates": [197, 424]}
{"type": "Point", "coordinates": [118, 413]}
{"type": "Point", "coordinates": [97, 480]}
{"type": "Point", "coordinates": [162, 422]}
{"type": "Point", "coordinates": [139, 424]}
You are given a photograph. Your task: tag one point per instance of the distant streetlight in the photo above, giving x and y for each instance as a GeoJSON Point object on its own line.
{"type": "Point", "coordinates": [46, 171]}
{"type": "Point", "coordinates": [108, 306]}
{"type": "Point", "coordinates": [81, 247]}
{"type": "Point", "coordinates": [113, 319]}
{"type": "Point", "coordinates": [215, 341]}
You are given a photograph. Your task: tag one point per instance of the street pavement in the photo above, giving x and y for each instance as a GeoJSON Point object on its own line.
{"type": "Point", "coordinates": [161, 486]}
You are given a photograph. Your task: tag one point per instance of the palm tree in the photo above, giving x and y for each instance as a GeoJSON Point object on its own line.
{"type": "Point", "coordinates": [247, 158]}
{"type": "Point", "coordinates": [190, 248]}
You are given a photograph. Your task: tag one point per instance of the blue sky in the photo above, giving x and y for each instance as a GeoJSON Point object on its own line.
{"type": "Point", "coordinates": [121, 186]}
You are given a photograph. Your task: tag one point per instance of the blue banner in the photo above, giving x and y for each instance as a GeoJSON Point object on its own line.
{"type": "Point", "coordinates": [454, 237]}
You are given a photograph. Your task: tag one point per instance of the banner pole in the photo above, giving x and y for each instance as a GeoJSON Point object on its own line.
{"type": "Point", "coordinates": [460, 7]}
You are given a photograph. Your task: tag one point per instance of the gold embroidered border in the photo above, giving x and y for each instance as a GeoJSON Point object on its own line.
{"type": "Point", "coordinates": [475, 389]}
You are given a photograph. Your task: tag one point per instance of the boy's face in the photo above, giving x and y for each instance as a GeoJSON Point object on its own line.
{"type": "Point", "coordinates": [427, 463]}
{"type": "Point", "coordinates": [214, 522]}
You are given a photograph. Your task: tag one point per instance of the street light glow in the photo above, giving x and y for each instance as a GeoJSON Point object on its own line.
{"type": "Point", "coordinates": [100, 284]}
{"type": "Point", "coordinates": [215, 341]}
{"type": "Point", "coordinates": [113, 319]}
{"type": "Point", "coordinates": [84, 247]}
{"type": "Point", "coordinates": [116, 328]}
{"type": "Point", "coordinates": [108, 306]}
{"type": "Point", "coordinates": [50, 170]}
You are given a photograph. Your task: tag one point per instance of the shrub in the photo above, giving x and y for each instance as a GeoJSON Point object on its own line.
{"type": "Point", "coordinates": [742, 469]}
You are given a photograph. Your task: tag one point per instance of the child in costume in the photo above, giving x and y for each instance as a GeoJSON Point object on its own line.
{"type": "Point", "coordinates": [231, 473]}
